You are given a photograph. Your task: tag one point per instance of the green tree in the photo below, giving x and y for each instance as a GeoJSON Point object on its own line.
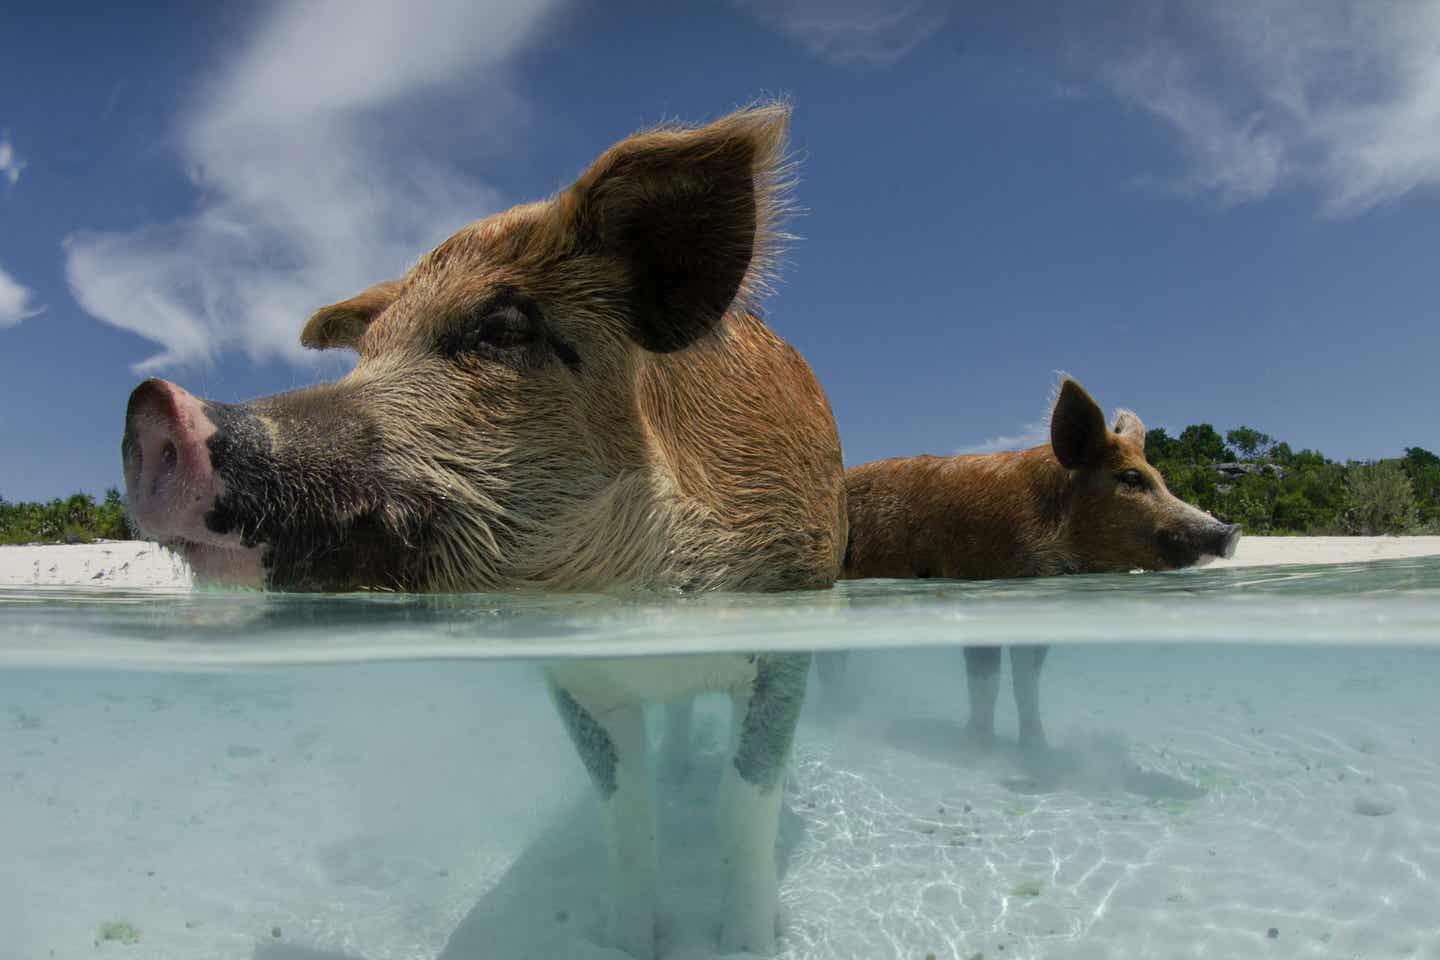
{"type": "Point", "coordinates": [1423, 468]}
{"type": "Point", "coordinates": [1201, 443]}
{"type": "Point", "coordinates": [1382, 498]}
{"type": "Point", "coordinates": [1160, 447]}
{"type": "Point", "coordinates": [1250, 443]}
{"type": "Point", "coordinates": [75, 519]}
{"type": "Point", "coordinates": [1420, 457]}
{"type": "Point", "coordinates": [110, 519]}
{"type": "Point", "coordinates": [1295, 513]}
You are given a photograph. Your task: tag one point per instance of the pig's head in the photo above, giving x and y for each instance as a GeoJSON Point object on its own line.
{"type": "Point", "coordinates": [1121, 516]}
{"type": "Point", "coordinates": [494, 422]}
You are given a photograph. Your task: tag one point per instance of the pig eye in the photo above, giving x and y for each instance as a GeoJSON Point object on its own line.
{"type": "Point", "coordinates": [505, 328]}
{"type": "Point", "coordinates": [1131, 480]}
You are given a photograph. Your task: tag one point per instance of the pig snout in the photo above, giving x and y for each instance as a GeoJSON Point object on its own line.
{"type": "Point", "coordinates": [1226, 539]}
{"type": "Point", "coordinates": [170, 482]}
{"type": "Point", "coordinates": [1212, 540]}
{"type": "Point", "coordinates": [1200, 540]}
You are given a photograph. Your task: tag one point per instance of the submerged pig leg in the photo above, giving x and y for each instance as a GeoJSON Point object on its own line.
{"type": "Point", "coordinates": [750, 794]}
{"type": "Point", "coordinates": [1025, 664]}
{"type": "Point", "coordinates": [615, 750]}
{"type": "Point", "coordinates": [676, 751]}
{"type": "Point", "coordinates": [982, 676]}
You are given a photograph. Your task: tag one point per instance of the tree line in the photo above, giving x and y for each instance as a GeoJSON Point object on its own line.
{"type": "Point", "coordinates": [1249, 478]}
{"type": "Point", "coordinates": [75, 519]}
{"type": "Point", "coordinates": [1243, 477]}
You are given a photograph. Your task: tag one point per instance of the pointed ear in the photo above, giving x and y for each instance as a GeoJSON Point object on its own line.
{"type": "Point", "coordinates": [1130, 426]}
{"type": "Point", "coordinates": [689, 215]}
{"type": "Point", "coordinates": [1077, 427]}
{"type": "Point", "coordinates": [341, 324]}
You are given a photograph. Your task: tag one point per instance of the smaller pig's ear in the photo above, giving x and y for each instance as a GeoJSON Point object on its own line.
{"type": "Point", "coordinates": [341, 324]}
{"type": "Point", "coordinates": [1130, 426]}
{"type": "Point", "coordinates": [1077, 427]}
{"type": "Point", "coordinates": [689, 216]}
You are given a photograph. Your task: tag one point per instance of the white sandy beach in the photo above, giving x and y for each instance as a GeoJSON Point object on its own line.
{"type": "Point", "coordinates": [135, 563]}
{"type": "Point", "coordinates": [105, 563]}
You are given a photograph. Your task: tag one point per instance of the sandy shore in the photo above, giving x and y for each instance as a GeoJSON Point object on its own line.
{"type": "Point", "coordinates": [134, 563]}
{"type": "Point", "coordinates": [1272, 551]}
{"type": "Point", "coordinates": [106, 563]}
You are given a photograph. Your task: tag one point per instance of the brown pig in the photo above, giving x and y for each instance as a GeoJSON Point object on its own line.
{"type": "Point", "coordinates": [574, 394]}
{"type": "Point", "coordinates": [1086, 502]}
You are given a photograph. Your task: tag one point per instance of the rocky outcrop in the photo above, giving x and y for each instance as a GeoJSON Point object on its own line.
{"type": "Point", "coordinates": [1234, 471]}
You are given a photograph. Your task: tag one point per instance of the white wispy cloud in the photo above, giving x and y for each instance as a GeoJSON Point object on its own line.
{"type": "Point", "coordinates": [1029, 435]}
{"type": "Point", "coordinates": [1341, 96]}
{"type": "Point", "coordinates": [873, 31]}
{"type": "Point", "coordinates": [16, 301]}
{"type": "Point", "coordinates": [10, 163]}
{"type": "Point", "coordinates": [303, 152]}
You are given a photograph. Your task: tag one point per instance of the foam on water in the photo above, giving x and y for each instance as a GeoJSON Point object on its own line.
{"type": "Point", "coordinates": [1268, 767]}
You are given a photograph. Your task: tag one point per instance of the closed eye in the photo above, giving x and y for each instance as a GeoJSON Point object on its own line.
{"type": "Point", "coordinates": [495, 330]}
{"type": "Point", "coordinates": [1132, 480]}
{"type": "Point", "coordinates": [508, 328]}
{"type": "Point", "coordinates": [505, 328]}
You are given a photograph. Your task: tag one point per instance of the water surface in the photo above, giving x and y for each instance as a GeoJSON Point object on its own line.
{"type": "Point", "coordinates": [1393, 601]}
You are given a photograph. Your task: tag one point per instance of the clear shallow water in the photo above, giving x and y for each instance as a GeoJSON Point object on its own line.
{"type": "Point", "coordinates": [376, 778]}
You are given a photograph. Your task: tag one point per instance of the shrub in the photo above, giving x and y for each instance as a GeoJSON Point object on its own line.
{"type": "Point", "coordinates": [1382, 499]}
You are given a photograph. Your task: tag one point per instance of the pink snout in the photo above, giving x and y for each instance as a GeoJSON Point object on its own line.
{"type": "Point", "coordinates": [171, 485]}
{"type": "Point", "coordinates": [169, 481]}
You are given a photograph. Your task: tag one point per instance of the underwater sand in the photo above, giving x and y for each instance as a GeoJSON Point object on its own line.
{"type": "Point", "coordinates": [1198, 798]}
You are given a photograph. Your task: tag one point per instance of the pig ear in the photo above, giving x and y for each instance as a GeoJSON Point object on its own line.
{"type": "Point", "coordinates": [1077, 427]}
{"type": "Point", "coordinates": [690, 216]}
{"type": "Point", "coordinates": [341, 324]}
{"type": "Point", "coordinates": [1130, 426]}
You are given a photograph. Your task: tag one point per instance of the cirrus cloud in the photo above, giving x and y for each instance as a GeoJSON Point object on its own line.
{"type": "Point", "coordinates": [16, 301]}
{"type": "Point", "coordinates": [843, 31]}
{"type": "Point", "coordinates": [10, 163]}
{"type": "Point", "coordinates": [1028, 435]}
{"type": "Point", "coordinates": [1339, 96]}
{"type": "Point", "coordinates": [303, 154]}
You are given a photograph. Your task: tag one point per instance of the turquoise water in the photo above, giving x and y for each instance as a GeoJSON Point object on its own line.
{"type": "Point", "coordinates": [1234, 752]}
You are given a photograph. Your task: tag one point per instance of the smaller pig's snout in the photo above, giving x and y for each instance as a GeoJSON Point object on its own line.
{"type": "Point", "coordinates": [1227, 540]}
{"type": "Point", "coordinates": [170, 483]}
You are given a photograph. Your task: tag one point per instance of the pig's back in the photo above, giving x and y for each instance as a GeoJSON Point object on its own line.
{"type": "Point", "coordinates": [962, 518]}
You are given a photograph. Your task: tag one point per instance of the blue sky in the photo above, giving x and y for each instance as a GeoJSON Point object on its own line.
{"type": "Point", "coordinates": [1221, 213]}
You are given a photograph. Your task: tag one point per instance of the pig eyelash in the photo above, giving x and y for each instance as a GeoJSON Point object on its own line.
{"type": "Point", "coordinates": [495, 328]}
{"type": "Point", "coordinates": [505, 329]}
{"type": "Point", "coordinates": [1132, 480]}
